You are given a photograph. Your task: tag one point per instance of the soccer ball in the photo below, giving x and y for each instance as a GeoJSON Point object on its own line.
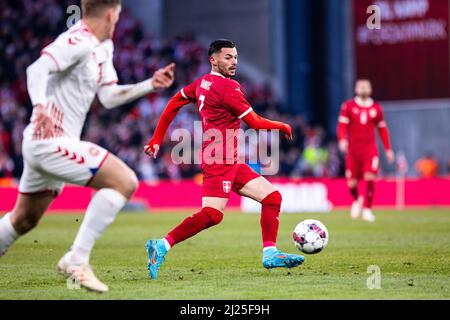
{"type": "Point", "coordinates": [310, 236]}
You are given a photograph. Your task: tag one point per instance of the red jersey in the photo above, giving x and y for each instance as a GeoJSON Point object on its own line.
{"type": "Point", "coordinates": [221, 104]}
{"type": "Point", "coordinates": [361, 122]}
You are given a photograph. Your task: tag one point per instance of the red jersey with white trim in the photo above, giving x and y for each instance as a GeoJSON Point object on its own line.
{"type": "Point", "coordinates": [83, 64]}
{"type": "Point", "coordinates": [362, 122]}
{"type": "Point", "coordinates": [221, 104]}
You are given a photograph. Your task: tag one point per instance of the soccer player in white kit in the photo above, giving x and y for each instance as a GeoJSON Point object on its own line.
{"type": "Point", "coordinates": [62, 84]}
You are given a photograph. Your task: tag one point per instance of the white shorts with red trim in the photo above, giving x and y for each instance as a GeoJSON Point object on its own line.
{"type": "Point", "coordinates": [49, 164]}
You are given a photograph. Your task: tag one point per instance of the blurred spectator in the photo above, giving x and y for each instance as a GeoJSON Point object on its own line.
{"type": "Point", "coordinates": [335, 162]}
{"type": "Point", "coordinates": [6, 165]}
{"type": "Point", "coordinates": [315, 156]}
{"type": "Point", "coordinates": [427, 167]}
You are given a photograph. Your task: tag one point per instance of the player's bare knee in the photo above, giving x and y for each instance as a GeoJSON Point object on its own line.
{"type": "Point", "coordinates": [129, 184]}
{"type": "Point", "coordinates": [352, 183]}
{"type": "Point", "coordinates": [369, 177]}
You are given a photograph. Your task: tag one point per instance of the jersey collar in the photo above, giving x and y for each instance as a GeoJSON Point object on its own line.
{"type": "Point", "coordinates": [86, 29]}
{"type": "Point", "coordinates": [367, 104]}
{"type": "Point", "coordinates": [217, 74]}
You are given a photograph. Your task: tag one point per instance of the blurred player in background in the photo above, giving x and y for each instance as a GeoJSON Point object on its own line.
{"type": "Point", "coordinates": [62, 85]}
{"type": "Point", "coordinates": [356, 134]}
{"type": "Point", "coordinates": [222, 105]}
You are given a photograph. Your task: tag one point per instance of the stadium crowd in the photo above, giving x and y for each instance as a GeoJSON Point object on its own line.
{"type": "Point", "coordinates": [27, 26]}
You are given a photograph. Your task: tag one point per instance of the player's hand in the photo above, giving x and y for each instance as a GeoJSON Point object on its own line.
{"type": "Point", "coordinates": [390, 156]}
{"type": "Point", "coordinates": [287, 130]}
{"type": "Point", "coordinates": [152, 149]}
{"type": "Point", "coordinates": [343, 146]}
{"type": "Point", "coordinates": [43, 123]}
{"type": "Point", "coordinates": [164, 78]}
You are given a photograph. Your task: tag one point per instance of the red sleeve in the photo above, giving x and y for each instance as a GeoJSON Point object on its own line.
{"type": "Point", "coordinates": [189, 92]}
{"type": "Point", "coordinates": [169, 113]}
{"type": "Point", "coordinates": [383, 130]}
{"type": "Point", "coordinates": [235, 101]}
{"type": "Point", "coordinates": [258, 123]}
{"type": "Point", "coordinates": [344, 121]}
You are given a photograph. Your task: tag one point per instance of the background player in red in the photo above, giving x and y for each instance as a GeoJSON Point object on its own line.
{"type": "Point", "coordinates": [222, 105]}
{"type": "Point", "coordinates": [356, 134]}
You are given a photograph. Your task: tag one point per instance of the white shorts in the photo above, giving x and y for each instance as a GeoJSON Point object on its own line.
{"type": "Point", "coordinates": [48, 164]}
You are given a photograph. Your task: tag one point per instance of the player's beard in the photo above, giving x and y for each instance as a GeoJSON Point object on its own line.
{"type": "Point", "coordinates": [227, 71]}
{"type": "Point", "coordinates": [364, 96]}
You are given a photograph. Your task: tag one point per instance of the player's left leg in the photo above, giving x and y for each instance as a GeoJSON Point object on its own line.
{"type": "Point", "coordinates": [261, 190]}
{"type": "Point", "coordinates": [115, 184]}
{"type": "Point", "coordinates": [371, 166]}
{"type": "Point", "coordinates": [25, 216]}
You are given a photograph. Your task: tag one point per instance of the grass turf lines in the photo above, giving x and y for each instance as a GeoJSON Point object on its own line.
{"type": "Point", "coordinates": [411, 248]}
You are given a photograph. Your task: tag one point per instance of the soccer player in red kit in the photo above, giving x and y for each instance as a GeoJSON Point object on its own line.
{"type": "Point", "coordinates": [222, 105]}
{"type": "Point", "coordinates": [356, 134]}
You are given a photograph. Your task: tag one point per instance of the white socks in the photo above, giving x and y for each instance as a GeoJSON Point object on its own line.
{"type": "Point", "coordinates": [7, 234]}
{"type": "Point", "coordinates": [268, 248]}
{"type": "Point", "coordinates": [101, 212]}
{"type": "Point", "coordinates": [167, 244]}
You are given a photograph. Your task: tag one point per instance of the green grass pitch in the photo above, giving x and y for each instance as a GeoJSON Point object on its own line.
{"type": "Point", "coordinates": [411, 248]}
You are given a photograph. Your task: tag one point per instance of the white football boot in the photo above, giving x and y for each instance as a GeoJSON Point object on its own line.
{"type": "Point", "coordinates": [81, 274]}
{"type": "Point", "coordinates": [357, 207]}
{"type": "Point", "coordinates": [368, 215]}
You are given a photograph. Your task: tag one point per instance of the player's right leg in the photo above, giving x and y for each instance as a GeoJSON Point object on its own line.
{"type": "Point", "coordinates": [23, 218]}
{"type": "Point", "coordinates": [352, 174]}
{"type": "Point", "coordinates": [217, 183]}
{"type": "Point", "coordinates": [210, 215]}
{"type": "Point", "coordinates": [358, 200]}
{"type": "Point", "coordinates": [53, 162]}
{"type": "Point", "coordinates": [36, 192]}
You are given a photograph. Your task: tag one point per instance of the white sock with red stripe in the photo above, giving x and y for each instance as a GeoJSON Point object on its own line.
{"type": "Point", "coordinates": [7, 233]}
{"type": "Point", "coordinates": [101, 212]}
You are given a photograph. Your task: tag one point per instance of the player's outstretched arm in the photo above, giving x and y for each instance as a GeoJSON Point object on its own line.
{"type": "Point", "coordinates": [114, 95]}
{"type": "Point", "coordinates": [257, 122]}
{"type": "Point", "coordinates": [169, 113]}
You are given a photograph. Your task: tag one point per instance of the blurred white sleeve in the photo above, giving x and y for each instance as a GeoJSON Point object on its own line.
{"type": "Point", "coordinates": [37, 79]}
{"type": "Point", "coordinates": [114, 95]}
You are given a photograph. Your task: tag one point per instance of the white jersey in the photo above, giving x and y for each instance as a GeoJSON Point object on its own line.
{"type": "Point", "coordinates": [84, 64]}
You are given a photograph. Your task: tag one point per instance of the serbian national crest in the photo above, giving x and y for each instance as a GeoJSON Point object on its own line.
{"type": "Point", "coordinates": [227, 186]}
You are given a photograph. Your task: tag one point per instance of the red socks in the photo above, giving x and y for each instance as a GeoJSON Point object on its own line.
{"type": "Point", "coordinates": [192, 225]}
{"type": "Point", "coordinates": [209, 217]}
{"type": "Point", "coordinates": [270, 218]}
{"type": "Point", "coordinates": [354, 192]}
{"type": "Point", "coordinates": [369, 194]}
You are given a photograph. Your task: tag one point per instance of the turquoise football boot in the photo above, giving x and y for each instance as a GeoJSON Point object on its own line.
{"type": "Point", "coordinates": [274, 258]}
{"type": "Point", "coordinates": [156, 251]}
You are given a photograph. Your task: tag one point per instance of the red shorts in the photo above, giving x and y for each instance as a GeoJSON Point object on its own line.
{"type": "Point", "coordinates": [220, 179]}
{"type": "Point", "coordinates": [357, 166]}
